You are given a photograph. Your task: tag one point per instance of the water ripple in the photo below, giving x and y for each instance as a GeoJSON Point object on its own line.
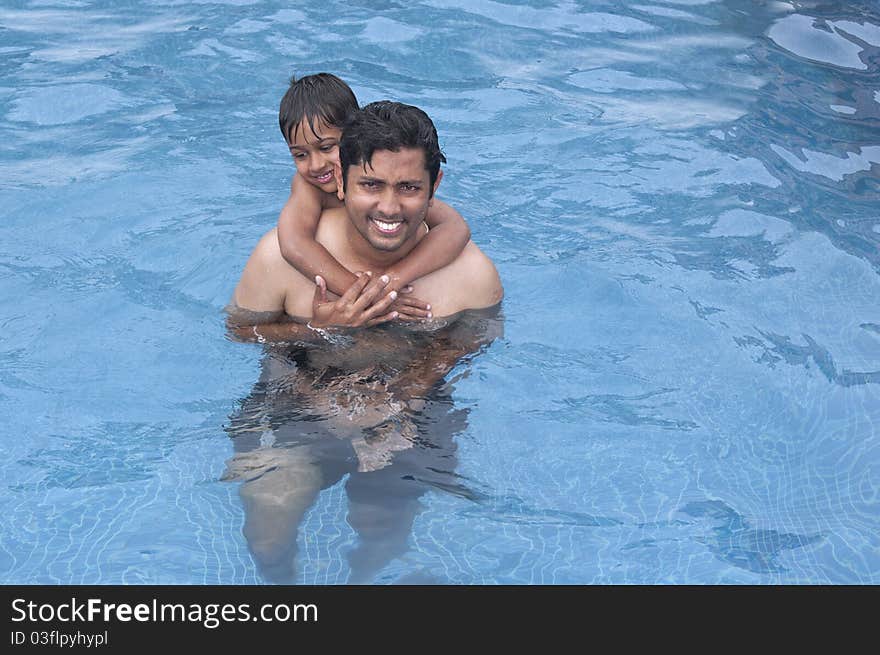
{"type": "Point", "coordinates": [735, 541]}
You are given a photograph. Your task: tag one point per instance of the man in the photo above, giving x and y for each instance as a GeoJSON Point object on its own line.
{"type": "Point", "coordinates": [360, 402]}
{"type": "Point", "coordinates": [390, 169]}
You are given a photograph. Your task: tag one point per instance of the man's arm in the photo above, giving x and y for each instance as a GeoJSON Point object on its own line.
{"type": "Point", "coordinates": [256, 311]}
{"type": "Point", "coordinates": [258, 308]}
{"type": "Point", "coordinates": [468, 333]}
{"type": "Point", "coordinates": [262, 286]}
{"type": "Point", "coordinates": [274, 333]}
{"type": "Point", "coordinates": [297, 225]}
{"type": "Point", "coordinates": [470, 282]}
{"type": "Point", "coordinates": [446, 238]}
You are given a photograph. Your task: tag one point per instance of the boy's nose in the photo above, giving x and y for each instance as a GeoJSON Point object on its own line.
{"type": "Point", "coordinates": [317, 163]}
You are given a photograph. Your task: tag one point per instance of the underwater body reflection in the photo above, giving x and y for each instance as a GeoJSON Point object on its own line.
{"type": "Point", "coordinates": [372, 404]}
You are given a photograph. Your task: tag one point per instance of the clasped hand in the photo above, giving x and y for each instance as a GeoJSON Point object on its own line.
{"type": "Point", "coordinates": [365, 303]}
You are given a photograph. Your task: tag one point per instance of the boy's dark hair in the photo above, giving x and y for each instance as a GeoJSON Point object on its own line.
{"type": "Point", "coordinates": [387, 125]}
{"type": "Point", "coordinates": [321, 97]}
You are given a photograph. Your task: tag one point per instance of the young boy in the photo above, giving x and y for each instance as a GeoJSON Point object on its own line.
{"type": "Point", "coordinates": [311, 116]}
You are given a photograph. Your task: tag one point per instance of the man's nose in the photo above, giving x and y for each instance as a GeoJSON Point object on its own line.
{"type": "Point", "coordinates": [389, 203]}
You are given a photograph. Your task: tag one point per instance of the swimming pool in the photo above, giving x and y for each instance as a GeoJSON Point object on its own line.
{"type": "Point", "coordinates": [681, 197]}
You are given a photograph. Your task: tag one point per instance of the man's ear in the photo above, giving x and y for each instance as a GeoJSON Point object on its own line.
{"type": "Point", "coordinates": [337, 173]}
{"type": "Point", "coordinates": [436, 184]}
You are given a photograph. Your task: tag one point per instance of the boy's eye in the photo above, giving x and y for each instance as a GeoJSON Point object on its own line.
{"type": "Point", "coordinates": [328, 148]}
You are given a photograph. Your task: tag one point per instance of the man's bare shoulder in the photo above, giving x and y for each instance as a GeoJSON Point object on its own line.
{"type": "Point", "coordinates": [469, 282]}
{"type": "Point", "coordinates": [267, 278]}
{"type": "Point", "coordinates": [267, 253]}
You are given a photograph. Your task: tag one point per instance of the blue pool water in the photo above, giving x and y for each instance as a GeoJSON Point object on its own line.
{"type": "Point", "coordinates": [681, 197]}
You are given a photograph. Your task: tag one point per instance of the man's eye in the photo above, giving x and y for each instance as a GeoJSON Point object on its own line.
{"type": "Point", "coordinates": [410, 188]}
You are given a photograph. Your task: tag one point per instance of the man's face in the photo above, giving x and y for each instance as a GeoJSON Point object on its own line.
{"type": "Point", "coordinates": [388, 200]}
{"type": "Point", "coordinates": [316, 153]}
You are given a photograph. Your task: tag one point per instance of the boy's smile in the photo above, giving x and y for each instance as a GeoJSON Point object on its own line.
{"type": "Point", "coordinates": [316, 152]}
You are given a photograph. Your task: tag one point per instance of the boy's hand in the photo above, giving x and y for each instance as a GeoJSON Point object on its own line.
{"type": "Point", "coordinates": [364, 304]}
{"type": "Point", "coordinates": [410, 308]}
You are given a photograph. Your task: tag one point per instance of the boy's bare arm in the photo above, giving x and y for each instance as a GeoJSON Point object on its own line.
{"type": "Point", "coordinates": [297, 225]}
{"type": "Point", "coordinates": [445, 240]}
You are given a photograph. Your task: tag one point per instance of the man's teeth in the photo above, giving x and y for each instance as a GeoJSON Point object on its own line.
{"type": "Point", "coordinates": [387, 227]}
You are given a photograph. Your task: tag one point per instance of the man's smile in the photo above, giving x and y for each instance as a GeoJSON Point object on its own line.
{"type": "Point", "coordinates": [386, 227]}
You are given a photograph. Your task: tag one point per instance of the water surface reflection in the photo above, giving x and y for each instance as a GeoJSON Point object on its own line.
{"type": "Point", "coordinates": [371, 405]}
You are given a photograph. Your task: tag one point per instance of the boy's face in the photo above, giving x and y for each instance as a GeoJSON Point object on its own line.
{"type": "Point", "coordinates": [316, 153]}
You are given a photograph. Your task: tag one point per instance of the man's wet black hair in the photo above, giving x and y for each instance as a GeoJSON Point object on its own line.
{"type": "Point", "coordinates": [387, 125]}
{"type": "Point", "coordinates": [320, 97]}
